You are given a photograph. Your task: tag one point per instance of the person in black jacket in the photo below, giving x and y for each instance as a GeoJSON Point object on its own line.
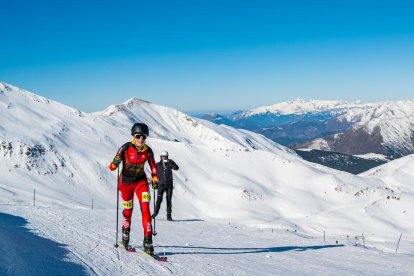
{"type": "Point", "coordinates": [165, 183]}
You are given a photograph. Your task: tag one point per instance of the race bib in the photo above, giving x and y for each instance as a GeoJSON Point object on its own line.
{"type": "Point", "coordinates": [127, 204]}
{"type": "Point", "coordinates": [146, 197]}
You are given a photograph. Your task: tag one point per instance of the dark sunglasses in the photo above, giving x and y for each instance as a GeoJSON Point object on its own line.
{"type": "Point", "coordinates": [139, 136]}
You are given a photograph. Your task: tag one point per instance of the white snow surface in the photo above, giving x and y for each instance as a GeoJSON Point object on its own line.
{"type": "Point", "coordinates": [373, 156]}
{"type": "Point", "coordinates": [245, 204]}
{"type": "Point", "coordinates": [319, 144]}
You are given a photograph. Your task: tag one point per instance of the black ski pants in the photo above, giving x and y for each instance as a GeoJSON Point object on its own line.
{"type": "Point", "coordinates": [161, 190]}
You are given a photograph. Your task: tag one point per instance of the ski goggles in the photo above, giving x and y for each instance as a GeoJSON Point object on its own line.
{"type": "Point", "coordinates": [140, 136]}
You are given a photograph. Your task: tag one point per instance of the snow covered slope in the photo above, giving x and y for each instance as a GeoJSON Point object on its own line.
{"type": "Point", "coordinates": [225, 174]}
{"type": "Point", "coordinates": [396, 174]}
{"type": "Point", "coordinates": [55, 149]}
{"type": "Point", "coordinates": [83, 245]}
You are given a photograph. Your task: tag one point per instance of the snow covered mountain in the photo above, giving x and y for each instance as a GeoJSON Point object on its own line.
{"type": "Point", "coordinates": [66, 148]}
{"type": "Point", "coordinates": [289, 122]}
{"type": "Point", "coordinates": [171, 125]}
{"type": "Point", "coordinates": [300, 106]}
{"type": "Point", "coordinates": [346, 127]}
{"type": "Point", "coordinates": [226, 175]}
{"type": "Point", "coordinates": [384, 128]}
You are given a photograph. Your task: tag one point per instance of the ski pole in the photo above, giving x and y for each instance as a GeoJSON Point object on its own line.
{"type": "Point", "coordinates": [153, 190]}
{"type": "Point", "coordinates": [117, 206]}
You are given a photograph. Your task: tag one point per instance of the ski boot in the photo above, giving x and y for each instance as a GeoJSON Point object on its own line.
{"type": "Point", "coordinates": [169, 218]}
{"type": "Point", "coordinates": [148, 247]}
{"type": "Point", "coordinates": [125, 237]}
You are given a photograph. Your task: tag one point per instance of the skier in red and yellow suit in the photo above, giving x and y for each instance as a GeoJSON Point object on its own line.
{"type": "Point", "coordinates": [133, 179]}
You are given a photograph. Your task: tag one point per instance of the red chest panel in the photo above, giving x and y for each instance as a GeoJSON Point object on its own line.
{"type": "Point", "coordinates": [135, 157]}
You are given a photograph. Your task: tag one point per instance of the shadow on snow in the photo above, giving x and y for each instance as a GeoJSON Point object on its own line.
{"type": "Point", "coordinates": [244, 250]}
{"type": "Point", "coordinates": [24, 253]}
{"type": "Point", "coordinates": [191, 220]}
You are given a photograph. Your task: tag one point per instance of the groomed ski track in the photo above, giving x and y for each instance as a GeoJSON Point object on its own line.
{"type": "Point", "coordinates": [197, 247]}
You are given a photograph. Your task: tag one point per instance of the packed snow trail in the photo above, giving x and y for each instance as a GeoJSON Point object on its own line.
{"type": "Point", "coordinates": [196, 247]}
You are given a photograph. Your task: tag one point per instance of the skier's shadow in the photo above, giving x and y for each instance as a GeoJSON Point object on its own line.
{"type": "Point", "coordinates": [182, 220]}
{"type": "Point", "coordinates": [30, 254]}
{"type": "Point", "coordinates": [187, 220]}
{"type": "Point", "coordinates": [243, 250]}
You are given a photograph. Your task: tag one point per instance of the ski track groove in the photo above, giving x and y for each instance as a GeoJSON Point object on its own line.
{"type": "Point", "coordinates": [97, 244]}
{"type": "Point", "coordinates": [86, 263]}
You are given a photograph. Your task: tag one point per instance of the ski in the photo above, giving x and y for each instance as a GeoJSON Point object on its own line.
{"type": "Point", "coordinates": [131, 249]}
{"type": "Point", "coordinates": [155, 257]}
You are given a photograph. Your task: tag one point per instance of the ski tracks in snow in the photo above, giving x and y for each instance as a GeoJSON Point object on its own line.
{"type": "Point", "coordinates": [195, 247]}
{"type": "Point", "coordinates": [88, 239]}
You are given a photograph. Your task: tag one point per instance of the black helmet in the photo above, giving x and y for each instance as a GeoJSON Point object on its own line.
{"type": "Point", "coordinates": [139, 128]}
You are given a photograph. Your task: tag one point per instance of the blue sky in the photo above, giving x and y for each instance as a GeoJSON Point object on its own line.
{"type": "Point", "coordinates": [200, 56]}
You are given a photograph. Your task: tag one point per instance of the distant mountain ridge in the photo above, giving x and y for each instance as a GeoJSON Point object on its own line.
{"type": "Point", "coordinates": [345, 127]}
{"type": "Point", "coordinates": [301, 106]}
